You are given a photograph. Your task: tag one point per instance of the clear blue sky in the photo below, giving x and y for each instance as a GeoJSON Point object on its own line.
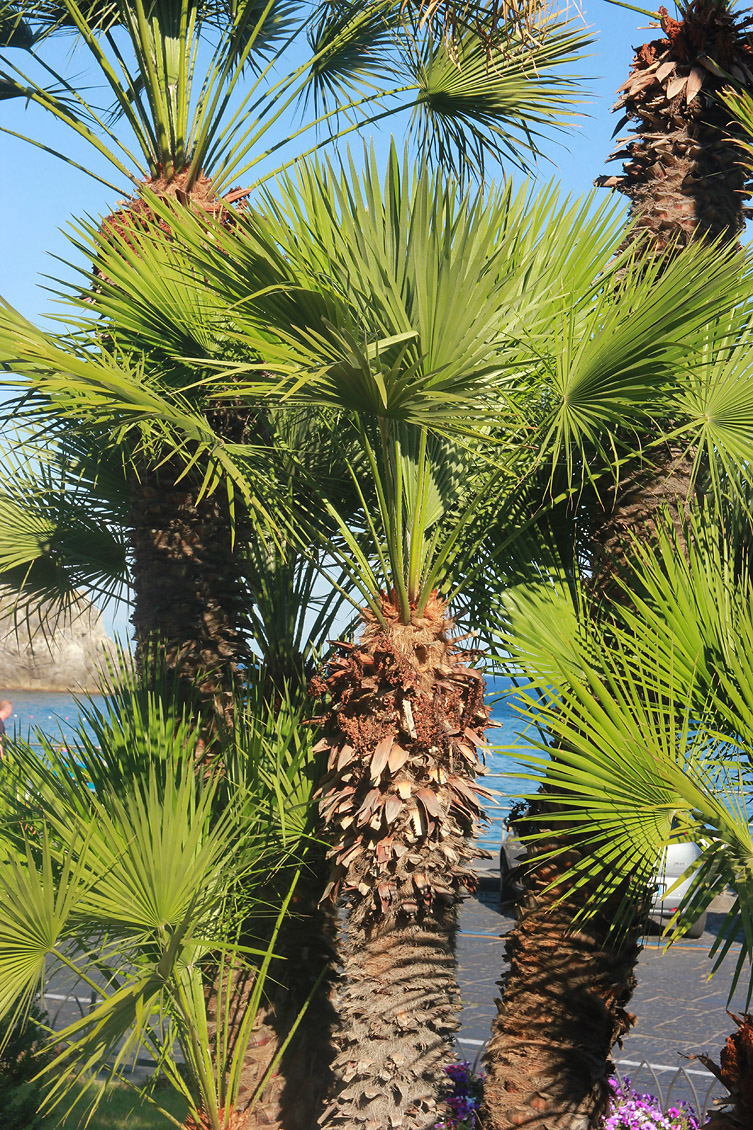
{"type": "Point", "coordinates": [40, 194]}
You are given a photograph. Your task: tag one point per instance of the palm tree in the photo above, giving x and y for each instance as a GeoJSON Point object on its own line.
{"type": "Point", "coordinates": [571, 1071]}
{"type": "Point", "coordinates": [145, 882]}
{"type": "Point", "coordinates": [190, 138]}
{"type": "Point", "coordinates": [685, 180]}
{"type": "Point", "coordinates": [348, 291]}
{"type": "Point", "coordinates": [651, 722]}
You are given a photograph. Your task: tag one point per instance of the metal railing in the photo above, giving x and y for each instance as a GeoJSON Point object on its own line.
{"type": "Point", "coordinates": [673, 1085]}
{"type": "Point", "coordinates": [669, 1085]}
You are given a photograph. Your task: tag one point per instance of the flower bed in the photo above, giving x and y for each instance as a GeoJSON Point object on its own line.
{"type": "Point", "coordinates": [628, 1110]}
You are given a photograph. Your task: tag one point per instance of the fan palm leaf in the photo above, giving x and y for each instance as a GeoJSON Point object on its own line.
{"type": "Point", "coordinates": [181, 125]}
{"type": "Point", "coordinates": [115, 839]}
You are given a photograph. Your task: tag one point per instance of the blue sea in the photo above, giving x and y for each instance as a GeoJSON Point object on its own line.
{"type": "Point", "coordinates": [57, 716]}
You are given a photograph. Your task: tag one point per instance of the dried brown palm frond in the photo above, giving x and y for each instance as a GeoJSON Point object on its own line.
{"type": "Point", "coordinates": [491, 20]}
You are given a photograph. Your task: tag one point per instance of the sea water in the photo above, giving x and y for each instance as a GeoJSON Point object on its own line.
{"type": "Point", "coordinates": [57, 715]}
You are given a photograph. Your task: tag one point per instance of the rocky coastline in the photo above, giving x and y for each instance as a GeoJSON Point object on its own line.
{"type": "Point", "coordinates": [38, 654]}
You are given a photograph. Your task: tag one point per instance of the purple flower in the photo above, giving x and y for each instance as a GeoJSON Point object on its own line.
{"type": "Point", "coordinates": [628, 1109]}
{"type": "Point", "coordinates": [465, 1098]}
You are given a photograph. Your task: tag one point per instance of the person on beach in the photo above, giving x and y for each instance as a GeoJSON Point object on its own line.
{"type": "Point", "coordinates": [6, 709]}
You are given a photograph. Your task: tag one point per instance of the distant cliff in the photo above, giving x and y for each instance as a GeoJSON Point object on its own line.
{"type": "Point", "coordinates": [66, 659]}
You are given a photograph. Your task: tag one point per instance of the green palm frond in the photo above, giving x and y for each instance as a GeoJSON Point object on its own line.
{"type": "Point", "coordinates": [142, 415]}
{"type": "Point", "coordinates": [474, 104]}
{"type": "Point", "coordinates": [713, 404]}
{"type": "Point", "coordinates": [185, 105]}
{"type": "Point", "coordinates": [621, 360]}
{"type": "Point", "coordinates": [56, 542]}
{"type": "Point", "coordinates": [353, 50]}
{"type": "Point", "coordinates": [351, 288]}
{"type": "Point", "coordinates": [649, 720]}
{"type": "Point", "coordinates": [115, 837]}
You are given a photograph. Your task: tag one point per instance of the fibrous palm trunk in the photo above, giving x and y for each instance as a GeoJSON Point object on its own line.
{"type": "Point", "coordinates": [188, 579]}
{"type": "Point", "coordinates": [189, 591]}
{"type": "Point", "coordinates": [661, 488]}
{"type": "Point", "coordinates": [400, 808]}
{"type": "Point", "coordinates": [735, 1070]}
{"type": "Point", "coordinates": [563, 1004]}
{"type": "Point", "coordinates": [683, 176]}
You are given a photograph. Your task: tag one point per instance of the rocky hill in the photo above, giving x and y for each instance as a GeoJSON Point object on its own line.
{"type": "Point", "coordinates": [65, 659]}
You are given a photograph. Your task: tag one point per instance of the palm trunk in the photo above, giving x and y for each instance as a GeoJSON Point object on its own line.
{"type": "Point", "coordinates": [562, 1006]}
{"type": "Point", "coordinates": [398, 1014]}
{"type": "Point", "coordinates": [189, 593]}
{"type": "Point", "coordinates": [400, 808]}
{"type": "Point", "coordinates": [662, 487]}
{"type": "Point", "coordinates": [683, 176]}
{"type": "Point", "coordinates": [735, 1071]}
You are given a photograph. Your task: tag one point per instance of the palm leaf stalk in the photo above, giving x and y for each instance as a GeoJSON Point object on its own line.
{"type": "Point", "coordinates": [651, 724]}
{"type": "Point", "coordinates": [361, 316]}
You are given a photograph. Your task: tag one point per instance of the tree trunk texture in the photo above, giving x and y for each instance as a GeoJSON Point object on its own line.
{"type": "Point", "coordinates": [189, 590]}
{"type": "Point", "coordinates": [562, 1007]}
{"type": "Point", "coordinates": [400, 807]}
{"type": "Point", "coordinates": [683, 175]}
{"type": "Point", "coordinates": [663, 485]}
{"type": "Point", "coordinates": [398, 1014]}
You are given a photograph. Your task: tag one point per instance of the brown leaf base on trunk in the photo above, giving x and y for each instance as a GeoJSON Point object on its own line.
{"type": "Point", "coordinates": [736, 1073]}
{"type": "Point", "coordinates": [682, 173]}
{"type": "Point", "coordinates": [400, 807]}
{"type": "Point", "coordinates": [398, 1015]}
{"type": "Point", "coordinates": [562, 1009]}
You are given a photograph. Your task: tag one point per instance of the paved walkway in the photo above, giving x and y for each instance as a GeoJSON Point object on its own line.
{"type": "Point", "coordinates": [679, 1011]}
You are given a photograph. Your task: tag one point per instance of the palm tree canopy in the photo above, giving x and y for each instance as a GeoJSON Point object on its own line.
{"type": "Point", "coordinates": [200, 92]}
{"type": "Point", "coordinates": [339, 293]}
{"type": "Point", "coordinates": [651, 719]}
{"type": "Point", "coordinates": [345, 289]}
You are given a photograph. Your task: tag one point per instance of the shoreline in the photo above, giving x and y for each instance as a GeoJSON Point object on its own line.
{"type": "Point", "coordinates": [40, 688]}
